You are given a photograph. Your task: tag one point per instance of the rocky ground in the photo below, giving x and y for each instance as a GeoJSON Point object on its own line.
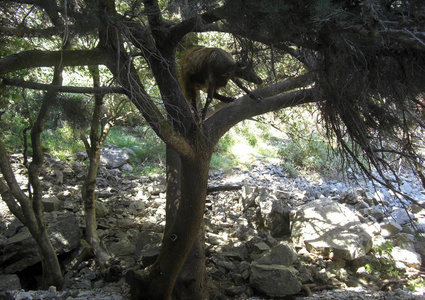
{"type": "Point", "coordinates": [271, 237]}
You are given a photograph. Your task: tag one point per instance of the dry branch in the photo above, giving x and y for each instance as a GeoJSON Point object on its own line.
{"type": "Point", "coordinates": [225, 187]}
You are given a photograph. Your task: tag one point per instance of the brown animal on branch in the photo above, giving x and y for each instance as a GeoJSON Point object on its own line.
{"type": "Point", "coordinates": [210, 69]}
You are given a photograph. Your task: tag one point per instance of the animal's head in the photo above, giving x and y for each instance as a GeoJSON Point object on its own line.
{"type": "Point", "coordinates": [245, 71]}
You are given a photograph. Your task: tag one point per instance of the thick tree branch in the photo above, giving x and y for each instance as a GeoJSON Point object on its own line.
{"type": "Point", "coordinates": [154, 13]}
{"type": "Point", "coordinates": [39, 58]}
{"type": "Point", "coordinates": [285, 85]}
{"type": "Point", "coordinates": [198, 23]}
{"type": "Point", "coordinates": [126, 75]}
{"type": "Point", "coordinates": [62, 89]}
{"type": "Point", "coordinates": [245, 108]}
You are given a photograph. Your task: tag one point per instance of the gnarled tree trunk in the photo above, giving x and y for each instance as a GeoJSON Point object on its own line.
{"type": "Point", "coordinates": [183, 240]}
{"type": "Point", "coordinates": [29, 209]}
{"type": "Point", "coordinates": [52, 274]}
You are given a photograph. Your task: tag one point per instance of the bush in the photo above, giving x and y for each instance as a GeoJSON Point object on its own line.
{"type": "Point", "coordinates": [309, 155]}
{"type": "Point", "coordinates": [149, 149]}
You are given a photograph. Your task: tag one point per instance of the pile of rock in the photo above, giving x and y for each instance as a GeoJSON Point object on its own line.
{"type": "Point", "coordinates": [276, 236]}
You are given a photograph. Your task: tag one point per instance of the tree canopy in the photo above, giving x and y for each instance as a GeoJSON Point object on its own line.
{"type": "Point", "coordinates": [362, 62]}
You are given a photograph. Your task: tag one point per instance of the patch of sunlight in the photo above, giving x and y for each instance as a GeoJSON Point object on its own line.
{"type": "Point", "coordinates": [243, 151]}
{"type": "Point", "coordinates": [246, 153]}
{"type": "Point", "coordinates": [59, 237]}
{"type": "Point", "coordinates": [234, 179]}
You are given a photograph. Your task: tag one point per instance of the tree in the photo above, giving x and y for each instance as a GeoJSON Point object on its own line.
{"type": "Point", "coordinates": [349, 51]}
{"type": "Point", "coordinates": [99, 129]}
{"type": "Point", "coordinates": [29, 208]}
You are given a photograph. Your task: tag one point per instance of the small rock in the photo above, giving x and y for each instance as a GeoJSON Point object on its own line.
{"type": "Point", "coordinates": [235, 290]}
{"type": "Point", "coordinates": [401, 216]}
{"type": "Point", "coordinates": [390, 229]}
{"type": "Point", "coordinates": [260, 247]}
{"type": "Point", "coordinates": [102, 210]}
{"type": "Point", "coordinates": [51, 204]}
{"type": "Point", "coordinates": [282, 254]}
{"type": "Point", "coordinates": [408, 257]}
{"type": "Point", "coordinates": [127, 167]}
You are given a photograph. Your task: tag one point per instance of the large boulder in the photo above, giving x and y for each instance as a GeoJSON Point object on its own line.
{"type": "Point", "coordinates": [281, 254]}
{"type": "Point", "coordinates": [275, 280]}
{"type": "Point", "coordinates": [9, 282]}
{"type": "Point", "coordinates": [330, 229]}
{"type": "Point", "coordinates": [273, 275]}
{"type": "Point", "coordinates": [114, 158]}
{"type": "Point", "coordinates": [273, 213]}
{"type": "Point", "coordinates": [20, 250]}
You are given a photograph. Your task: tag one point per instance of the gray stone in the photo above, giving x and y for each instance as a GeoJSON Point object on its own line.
{"type": "Point", "coordinates": [14, 227]}
{"type": "Point", "coordinates": [282, 254]}
{"type": "Point", "coordinates": [249, 194]}
{"type": "Point", "coordinates": [150, 253]}
{"type": "Point", "coordinates": [51, 204]}
{"type": "Point", "coordinates": [21, 251]}
{"type": "Point", "coordinates": [235, 290]}
{"type": "Point", "coordinates": [159, 178]}
{"type": "Point", "coordinates": [260, 247]}
{"type": "Point", "coordinates": [361, 205]}
{"type": "Point", "coordinates": [418, 210]}
{"type": "Point", "coordinates": [122, 248]}
{"type": "Point", "coordinates": [275, 280]}
{"type": "Point", "coordinates": [145, 238]}
{"type": "Point", "coordinates": [390, 229]}
{"type": "Point", "coordinates": [350, 198]}
{"type": "Point", "coordinates": [407, 256]}
{"type": "Point", "coordinates": [127, 167]}
{"type": "Point", "coordinates": [9, 282]}
{"type": "Point", "coordinates": [22, 295]}
{"type": "Point", "coordinates": [330, 229]}
{"type": "Point", "coordinates": [102, 210]}
{"type": "Point", "coordinates": [224, 262]}
{"type": "Point", "coordinates": [275, 217]}
{"type": "Point", "coordinates": [156, 189]}
{"type": "Point", "coordinates": [420, 243]}
{"type": "Point", "coordinates": [401, 217]}
{"type": "Point", "coordinates": [407, 188]}
{"type": "Point", "coordinates": [114, 158]}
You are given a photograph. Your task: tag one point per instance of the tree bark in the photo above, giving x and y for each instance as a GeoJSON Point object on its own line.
{"type": "Point", "coordinates": [180, 237]}
{"type": "Point", "coordinates": [191, 278]}
{"type": "Point", "coordinates": [40, 58]}
{"type": "Point", "coordinates": [173, 173]}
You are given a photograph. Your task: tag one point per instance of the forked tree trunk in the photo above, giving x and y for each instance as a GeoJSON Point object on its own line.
{"type": "Point", "coordinates": [180, 237]}
{"type": "Point", "coordinates": [88, 189]}
{"type": "Point", "coordinates": [22, 207]}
